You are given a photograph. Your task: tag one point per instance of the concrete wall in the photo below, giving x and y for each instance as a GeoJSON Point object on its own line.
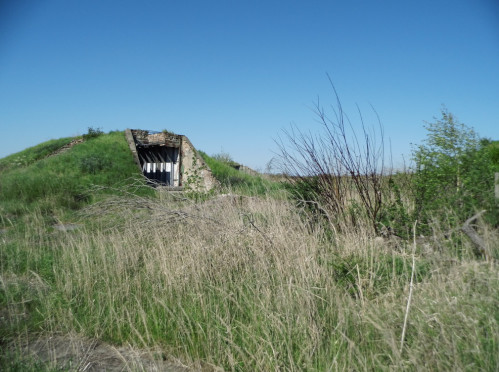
{"type": "Point", "coordinates": [196, 174]}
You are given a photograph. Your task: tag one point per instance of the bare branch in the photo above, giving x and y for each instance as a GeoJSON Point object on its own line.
{"type": "Point", "coordinates": [338, 162]}
{"type": "Point", "coordinates": [478, 242]}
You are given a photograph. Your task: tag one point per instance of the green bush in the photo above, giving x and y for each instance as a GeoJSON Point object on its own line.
{"type": "Point", "coordinates": [454, 169]}
{"type": "Point", "coordinates": [93, 133]}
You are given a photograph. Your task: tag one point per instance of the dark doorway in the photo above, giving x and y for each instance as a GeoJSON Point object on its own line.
{"type": "Point", "coordinates": [160, 164]}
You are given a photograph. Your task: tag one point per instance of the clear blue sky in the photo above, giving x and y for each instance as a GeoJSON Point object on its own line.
{"type": "Point", "coordinates": [232, 74]}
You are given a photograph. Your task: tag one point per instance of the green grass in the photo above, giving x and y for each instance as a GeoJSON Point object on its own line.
{"type": "Point", "coordinates": [214, 288]}
{"type": "Point", "coordinates": [16, 362]}
{"type": "Point", "coordinates": [32, 154]}
{"type": "Point", "coordinates": [237, 181]}
{"type": "Point", "coordinates": [64, 182]}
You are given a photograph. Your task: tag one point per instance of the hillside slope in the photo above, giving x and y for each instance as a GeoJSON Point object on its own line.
{"type": "Point", "coordinates": [33, 179]}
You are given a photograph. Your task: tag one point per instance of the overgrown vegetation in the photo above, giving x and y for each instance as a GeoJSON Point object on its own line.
{"type": "Point", "coordinates": [341, 177]}
{"type": "Point", "coordinates": [246, 278]}
{"type": "Point", "coordinates": [245, 284]}
{"type": "Point", "coordinates": [232, 180]}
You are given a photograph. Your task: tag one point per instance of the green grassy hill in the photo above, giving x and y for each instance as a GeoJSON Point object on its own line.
{"type": "Point", "coordinates": [55, 182]}
{"type": "Point", "coordinates": [33, 179]}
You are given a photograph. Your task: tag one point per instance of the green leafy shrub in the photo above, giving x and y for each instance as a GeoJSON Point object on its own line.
{"type": "Point", "coordinates": [454, 169]}
{"type": "Point", "coordinates": [492, 149]}
{"type": "Point", "coordinates": [93, 133]}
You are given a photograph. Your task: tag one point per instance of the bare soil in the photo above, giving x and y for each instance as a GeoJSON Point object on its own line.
{"type": "Point", "coordinates": [75, 353]}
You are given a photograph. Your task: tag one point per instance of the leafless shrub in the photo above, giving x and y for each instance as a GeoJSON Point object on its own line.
{"type": "Point", "coordinates": [341, 164]}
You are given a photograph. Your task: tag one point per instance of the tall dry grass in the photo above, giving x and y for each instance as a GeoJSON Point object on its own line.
{"type": "Point", "coordinates": [248, 283]}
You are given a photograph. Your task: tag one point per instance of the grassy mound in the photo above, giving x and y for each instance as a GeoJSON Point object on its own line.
{"type": "Point", "coordinates": [34, 180]}
{"type": "Point", "coordinates": [237, 181]}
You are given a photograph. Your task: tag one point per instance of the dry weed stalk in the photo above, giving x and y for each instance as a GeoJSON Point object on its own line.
{"type": "Point", "coordinates": [411, 286]}
{"type": "Point", "coordinates": [337, 165]}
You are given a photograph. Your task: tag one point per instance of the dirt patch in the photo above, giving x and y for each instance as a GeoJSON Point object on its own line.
{"type": "Point", "coordinates": [80, 354]}
{"type": "Point", "coordinates": [66, 226]}
{"type": "Point", "coordinates": [67, 147]}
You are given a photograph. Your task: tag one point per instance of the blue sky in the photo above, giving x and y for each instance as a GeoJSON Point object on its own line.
{"type": "Point", "coordinates": [231, 75]}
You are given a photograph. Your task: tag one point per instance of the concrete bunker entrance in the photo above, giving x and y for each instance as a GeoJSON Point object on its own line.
{"type": "Point", "coordinates": [160, 164]}
{"type": "Point", "coordinates": [169, 159]}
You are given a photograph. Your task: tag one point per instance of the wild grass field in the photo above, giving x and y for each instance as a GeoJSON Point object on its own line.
{"type": "Point", "coordinates": [246, 278]}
